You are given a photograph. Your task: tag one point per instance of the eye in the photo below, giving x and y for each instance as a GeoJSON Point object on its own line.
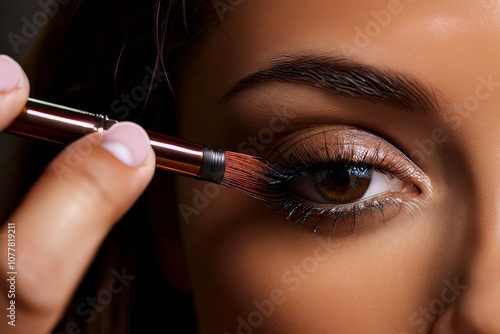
{"type": "Point", "coordinates": [346, 176]}
{"type": "Point", "coordinates": [344, 183]}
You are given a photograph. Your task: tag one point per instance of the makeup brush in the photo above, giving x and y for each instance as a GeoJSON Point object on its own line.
{"type": "Point", "coordinates": [59, 124]}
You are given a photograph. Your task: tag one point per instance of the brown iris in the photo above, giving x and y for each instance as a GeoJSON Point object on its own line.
{"type": "Point", "coordinates": [343, 183]}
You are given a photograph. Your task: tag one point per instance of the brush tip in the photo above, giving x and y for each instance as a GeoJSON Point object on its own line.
{"type": "Point", "coordinates": [247, 174]}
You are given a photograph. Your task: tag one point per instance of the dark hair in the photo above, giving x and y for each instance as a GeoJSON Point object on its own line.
{"type": "Point", "coordinates": [91, 52]}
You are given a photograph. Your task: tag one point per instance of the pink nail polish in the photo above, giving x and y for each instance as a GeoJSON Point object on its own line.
{"type": "Point", "coordinates": [128, 142]}
{"type": "Point", "coordinates": [10, 74]}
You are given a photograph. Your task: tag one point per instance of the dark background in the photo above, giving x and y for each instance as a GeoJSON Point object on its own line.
{"type": "Point", "coordinates": [11, 14]}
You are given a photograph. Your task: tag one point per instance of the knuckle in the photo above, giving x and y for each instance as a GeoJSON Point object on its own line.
{"type": "Point", "coordinates": [88, 180]}
{"type": "Point", "coordinates": [92, 190]}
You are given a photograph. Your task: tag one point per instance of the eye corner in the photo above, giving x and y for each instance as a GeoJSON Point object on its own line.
{"type": "Point", "coordinates": [420, 184]}
{"type": "Point", "coordinates": [411, 188]}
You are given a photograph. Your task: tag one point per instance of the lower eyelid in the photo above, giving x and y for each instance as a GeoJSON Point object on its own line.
{"type": "Point", "coordinates": [346, 219]}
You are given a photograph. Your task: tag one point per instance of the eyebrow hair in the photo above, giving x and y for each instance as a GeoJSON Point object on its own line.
{"type": "Point", "coordinates": [343, 77]}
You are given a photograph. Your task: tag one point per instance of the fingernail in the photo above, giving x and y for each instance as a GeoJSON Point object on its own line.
{"type": "Point", "coordinates": [128, 142]}
{"type": "Point", "coordinates": [10, 74]}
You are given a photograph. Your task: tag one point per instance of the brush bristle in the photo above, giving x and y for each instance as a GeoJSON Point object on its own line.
{"type": "Point", "coordinates": [247, 174]}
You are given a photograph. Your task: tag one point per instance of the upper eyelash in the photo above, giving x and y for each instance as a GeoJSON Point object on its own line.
{"type": "Point", "coordinates": [285, 168]}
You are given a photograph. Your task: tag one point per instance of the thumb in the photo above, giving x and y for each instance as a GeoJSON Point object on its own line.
{"type": "Point", "coordinates": [14, 90]}
{"type": "Point", "coordinates": [65, 217]}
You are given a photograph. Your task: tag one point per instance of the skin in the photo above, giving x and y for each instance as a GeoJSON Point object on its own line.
{"type": "Point", "coordinates": [440, 247]}
{"type": "Point", "coordinates": [393, 276]}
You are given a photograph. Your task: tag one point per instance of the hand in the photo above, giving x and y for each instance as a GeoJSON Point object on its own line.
{"type": "Point", "coordinates": [65, 216]}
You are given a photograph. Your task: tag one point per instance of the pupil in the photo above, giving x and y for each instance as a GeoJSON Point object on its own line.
{"type": "Point", "coordinates": [341, 177]}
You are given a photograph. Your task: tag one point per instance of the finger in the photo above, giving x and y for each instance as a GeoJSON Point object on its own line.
{"type": "Point", "coordinates": [67, 214]}
{"type": "Point", "coordinates": [14, 90]}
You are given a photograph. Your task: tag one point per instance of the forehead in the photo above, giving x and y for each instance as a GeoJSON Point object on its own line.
{"type": "Point", "coordinates": [448, 44]}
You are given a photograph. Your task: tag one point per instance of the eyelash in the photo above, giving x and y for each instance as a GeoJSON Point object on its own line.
{"type": "Point", "coordinates": [287, 167]}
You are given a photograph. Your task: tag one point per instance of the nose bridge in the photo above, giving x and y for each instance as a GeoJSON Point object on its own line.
{"type": "Point", "coordinates": [477, 310]}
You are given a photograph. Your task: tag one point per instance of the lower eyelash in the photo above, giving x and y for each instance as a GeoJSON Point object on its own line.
{"type": "Point", "coordinates": [349, 216]}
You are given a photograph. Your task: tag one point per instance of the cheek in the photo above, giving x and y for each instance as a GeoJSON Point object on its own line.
{"type": "Point", "coordinates": [249, 264]}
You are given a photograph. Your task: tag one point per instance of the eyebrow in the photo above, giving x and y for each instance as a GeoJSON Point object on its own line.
{"type": "Point", "coordinates": [343, 77]}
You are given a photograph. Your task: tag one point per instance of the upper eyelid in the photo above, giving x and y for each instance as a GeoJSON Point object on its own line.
{"type": "Point", "coordinates": [342, 140]}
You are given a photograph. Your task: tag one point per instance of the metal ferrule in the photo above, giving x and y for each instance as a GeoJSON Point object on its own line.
{"type": "Point", "coordinates": [214, 164]}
